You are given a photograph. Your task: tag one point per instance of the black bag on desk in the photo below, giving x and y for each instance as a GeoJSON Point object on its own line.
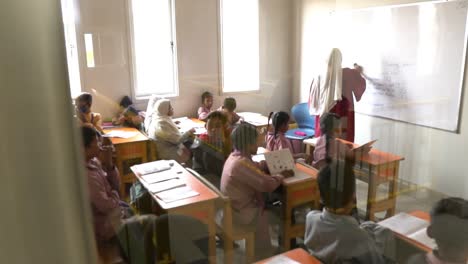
{"type": "Point", "coordinates": [140, 198]}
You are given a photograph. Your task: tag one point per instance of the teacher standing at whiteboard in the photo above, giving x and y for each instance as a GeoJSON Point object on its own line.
{"type": "Point", "coordinates": [332, 91]}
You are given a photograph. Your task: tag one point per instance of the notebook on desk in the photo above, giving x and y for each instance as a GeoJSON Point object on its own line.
{"type": "Point", "coordinates": [411, 227]}
{"type": "Point", "coordinates": [152, 167]}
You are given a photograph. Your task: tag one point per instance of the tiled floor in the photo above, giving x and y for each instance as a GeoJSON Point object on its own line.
{"type": "Point", "coordinates": [410, 198]}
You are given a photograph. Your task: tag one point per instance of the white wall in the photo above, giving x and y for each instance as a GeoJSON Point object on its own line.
{"type": "Point", "coordinates": [46, 216]}
{"type": "Point", "coordinates": [198, 55]}
{"type": "Point", "coordinates": [433, 158]}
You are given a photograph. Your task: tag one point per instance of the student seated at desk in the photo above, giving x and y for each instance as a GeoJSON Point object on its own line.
{"type": "Point", "coordinates": [244, 181]}
{"type": "Point", "coordinates": [207, 103]}
{"type": "Point", "coordinates": [449, 229]}
{"type": "Point", "coordinates": [84, 114]}
{"type": "Point", "coordinates": [169, 141]}
{"type": "Point", "coordinates": [276, 139]}
{"type": "Point", "coordinates": [110, 214]}
{"type": "Point", "coordinates": [229, 105]}
{"type": "Point", "coordinates": [334, 235]}
{"type": "Point", "coordinates": [327, 145]}
{"type": "Point", "coordinates": [128, 115]}
{"type": "Point", "coordinates": [216, 142]}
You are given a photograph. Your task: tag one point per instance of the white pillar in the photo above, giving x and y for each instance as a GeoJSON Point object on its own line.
{"type": "Point", "coordinates": [44, 212]}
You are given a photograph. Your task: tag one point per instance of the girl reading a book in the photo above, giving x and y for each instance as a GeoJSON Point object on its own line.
{"type": "Point", "coordinates": [244, 181]}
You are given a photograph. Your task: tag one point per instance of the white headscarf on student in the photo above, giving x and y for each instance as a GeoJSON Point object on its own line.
{"type": "Point", "coordinates": [326, 89]}
{"type": "Point", "coordinates": [150, 112]}
{"type": "Point", "coordinates": [162, 127]}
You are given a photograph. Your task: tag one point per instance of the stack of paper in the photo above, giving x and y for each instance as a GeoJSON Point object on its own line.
{"type": "Point", "coordinates": [152, 167]}
{"type": "Point", "coordinates": [165, 185]}
{"type": "Point", "coordinates": [255, 119]}
{"type": "Point", "coordinates": [185, 124]}
{"type": "Point", "coordinates": [159, 176]}
{"type": "Point", "coordinates": [411, 227]}
{"type": "Point", "coordinates": [120, 134]}
{"type": "Point", "coordinates": [177, 194]}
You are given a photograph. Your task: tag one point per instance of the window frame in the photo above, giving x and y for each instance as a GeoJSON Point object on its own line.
{"type": "Point", "coordinates": [132, 57]}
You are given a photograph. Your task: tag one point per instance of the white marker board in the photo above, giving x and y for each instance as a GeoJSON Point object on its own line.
{"type": "Point", "coordinates": [413, 57]}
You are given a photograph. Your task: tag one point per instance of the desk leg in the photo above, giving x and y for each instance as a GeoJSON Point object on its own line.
{"type": "Point", "coordinates": [212, 237]}
{"type": "Point", "coordinates": [392, 190]}
{"type": "Point", "coordinates": [371, 194]}
{"type": "Point", "coordinates": [286, 217]}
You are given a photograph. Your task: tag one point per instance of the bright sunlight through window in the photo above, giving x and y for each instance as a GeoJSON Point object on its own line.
{"type": "Point", "coordinates": [153, 45]}
{"type": "Point", "coordinates": [239, 45]}
{"type": "Point", "coordinates": [68, 12]}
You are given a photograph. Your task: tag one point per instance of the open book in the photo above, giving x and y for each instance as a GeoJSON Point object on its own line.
{"type": "Point", "coordinates": [279, 160]}
{"type": "Point", "coordinates": [411, 227]}
{"type": "Point", "coordinates": [361, 147]}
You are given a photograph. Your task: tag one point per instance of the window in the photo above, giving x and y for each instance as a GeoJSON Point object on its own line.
{"type": "Point", "coordinates": [239, 45]}
{"type": "Point", "coordinates": [68, 12]}
{"type": "Point", "coordinates": [152, 30]}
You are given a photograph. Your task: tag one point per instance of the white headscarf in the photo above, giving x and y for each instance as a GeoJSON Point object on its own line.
{"type": "Point", "coordinates": [149, 112]}
{"type": "Point", "coordinates": [162, 126]}
{"type": "Point", "coordinates": [326, 89]}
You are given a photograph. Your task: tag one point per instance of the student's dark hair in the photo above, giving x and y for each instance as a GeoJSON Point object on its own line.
{"type": "Point", "coordinates": [230, 103]}
{"type": "Point", "coordinates": [126, 102]}
{"type": "Point", "coordinates": [277, 120]}
{"type": "Point", "coordinates": [205, 95]}
{"type": "Point", "coordinates": [449, 224]}
{"type": "Point", "coordinates": [328, 122]}
{"type": "Point", "coordinates": [243, 136]}
{"type": "Point", "coordinates": [337, 184]}
{"type": "Point", "coordinates": [130, 111]}
{"type": "Point", "coordinates": [217, 114]}
{"type": "Point", "coordinates": [88, 134]}
{"type": "Point", "coordinates": [85, 97]}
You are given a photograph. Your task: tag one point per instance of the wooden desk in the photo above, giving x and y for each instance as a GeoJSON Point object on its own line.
{"type": "Point", "coordinates": [302, 189]}
{"type": "Point", "coordinates": [201, 207]}
{"type": "Point", "coordinates": [298, 254]}
{"type": "Point", "coordinates": [375, 168]}
{"type": "Point", "coordinates": [129, 151]}
{"type": "Point", "coordinates": [260, 122]}
{"type": "Point", "coordinates": [185, 124]}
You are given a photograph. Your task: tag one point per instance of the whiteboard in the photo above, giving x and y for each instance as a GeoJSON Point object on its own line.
{"type": "Point", "coordinates": [413, 58]}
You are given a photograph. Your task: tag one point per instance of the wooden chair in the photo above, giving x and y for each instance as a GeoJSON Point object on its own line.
{"type": "Point", "coordinates": [152, 154]}
{"type": "Point", "coordinates": [297, 195]}
{"type": "Point", "coordinates": [227, 230]}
